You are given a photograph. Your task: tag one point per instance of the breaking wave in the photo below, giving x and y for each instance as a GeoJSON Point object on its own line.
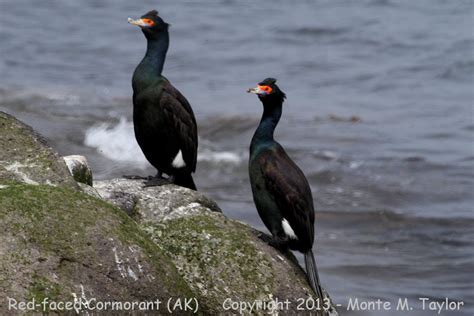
{"type": "Point", "coordinates": [116, 141]}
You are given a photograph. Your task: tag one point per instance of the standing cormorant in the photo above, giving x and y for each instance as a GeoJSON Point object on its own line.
{"type": "Point", "coordinates": [280, 190]}
{"type": "Point", "coordinates": [164, 123]}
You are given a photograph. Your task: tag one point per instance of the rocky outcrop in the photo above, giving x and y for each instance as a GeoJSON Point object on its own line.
{"type": "Point", "coordinates": [61, 244]}
{"type": "Point", "coordinates": [222, 260]}
{"type": "Point", "coordinates": [154, 204]}
{"type": "Point", "coordinates": [79, 169]}
{"type": "Point", "coordinates": [121, 241]}
{"type": "Point", "coordinates": [25, 156]}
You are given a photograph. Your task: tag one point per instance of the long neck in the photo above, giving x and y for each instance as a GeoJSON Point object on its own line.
{"type": "Point", "coordinates": [271, 115]}
{"type": "Point", "coordinates": [155, 56]}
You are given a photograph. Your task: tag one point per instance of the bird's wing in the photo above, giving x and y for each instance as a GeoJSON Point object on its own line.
{"type": "Point", "coordinates": [290, 190]}
{"type": "Point", "coordinates": [180, 112]}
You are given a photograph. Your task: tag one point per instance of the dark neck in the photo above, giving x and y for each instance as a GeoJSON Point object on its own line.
{"type": "Point", "coordinates": [272, 110]}
{"type": "Point", "coordinates": [155, 56]}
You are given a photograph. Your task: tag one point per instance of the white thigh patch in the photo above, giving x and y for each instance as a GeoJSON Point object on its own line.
{"type": "Point", "coordinates": [178, 161]}
{"type": "Point", "coordinates": [288, 230]}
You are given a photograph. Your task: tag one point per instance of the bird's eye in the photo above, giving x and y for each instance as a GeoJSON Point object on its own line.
{"type": "Point", "coordinates": [150, 22]}
{"type": "Point", "coordinates": [267, 89]}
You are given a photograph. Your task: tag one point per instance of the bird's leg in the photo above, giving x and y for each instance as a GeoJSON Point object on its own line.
{"type": "Point", "coordinates": [157, 180]}
{"type": "Point", "coordinates": [264, 237]}
{"type": "Point", "coordinates": [171, 178]}
{"type": "Point", "coordinates": [279, 242]}
{"type": "Point", "coordinates": [159, 175]}
{"type": "Point", "coordinates": [279, 245]}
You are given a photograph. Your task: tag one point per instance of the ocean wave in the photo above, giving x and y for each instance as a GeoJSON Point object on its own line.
{"type": "Point", "coordinates": [43, 95]}
{"type": "Point", "coordinates": [116, 141]}
{"type": "Point", "coordinates": [226, 157]}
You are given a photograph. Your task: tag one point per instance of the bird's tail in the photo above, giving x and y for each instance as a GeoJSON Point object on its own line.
{"type": "Point", "coordinates": [313, 277]}
{"type": "Point", "coordinates": [184, 180]}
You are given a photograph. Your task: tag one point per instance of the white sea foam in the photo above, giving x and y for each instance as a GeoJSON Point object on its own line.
{"type": "Point", "coordinates": [117, 142]}
{"type": "Point", "coordinates": [220, 157]}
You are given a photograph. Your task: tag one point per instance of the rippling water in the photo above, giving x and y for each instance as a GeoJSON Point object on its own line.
{"type": "Point", "coordinates": [379, 115]}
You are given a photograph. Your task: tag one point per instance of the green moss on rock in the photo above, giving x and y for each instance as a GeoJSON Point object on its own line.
{"type": "Point", "coordinates": [26, 157]}
{"type": "Point", "coordinates": [216, 257]}
{"type": "Point", "coordinates": [58, 242]}
{"type": "Point", "coordinates": [79, 169]}
{"type": "Point", "coordinates": [83, 175]}
{"type": "Point", "coordinates": [41, 288]}
{"type": "Point", "coordinates": [219, 258]}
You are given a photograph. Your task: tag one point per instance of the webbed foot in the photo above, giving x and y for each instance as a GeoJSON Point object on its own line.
{"type": "Point", "coordinates": [279, 244]}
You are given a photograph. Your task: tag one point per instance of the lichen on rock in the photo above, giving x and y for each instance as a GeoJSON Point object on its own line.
{"type": "Point", "coordinates": [60, 243]}
{"type": "Point", "coordinates": [63, 240]}
{"type": "Point", "coordinates": [79, 168]}
{"type": "Point", "coordinates": [219, 258]}
{"type": "Point", "coordinates": [215, 259]}
{"type": "Point", "coordinates": [162, 202]}
{"type": "Point", "coordinates": [26, 157]}
{"type": "Point", "coordinates": [57, 241]}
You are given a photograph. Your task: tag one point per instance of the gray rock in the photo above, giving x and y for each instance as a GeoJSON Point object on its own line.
{"type": "Point", "coordinates": [79, 168]}
{"type": "Point", "coordinates": [89, 190]}
{"type": "Point", "coordinates": [60, 243]}
{"type": "Point", "coordinates": [25, 157]}
{"type": "Point", "coordinates": [220, 259]}
{"type": "Point", "coordinates": [162, 202]}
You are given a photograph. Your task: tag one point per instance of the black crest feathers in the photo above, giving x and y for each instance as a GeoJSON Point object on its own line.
{"type": "Point", "coordinates": [268, 81]}
{"type": "Point", "coordinates": [151, 13]}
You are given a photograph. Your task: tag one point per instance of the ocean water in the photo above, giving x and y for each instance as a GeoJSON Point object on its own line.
{"type": "Point", "coordinates": [379, 116]}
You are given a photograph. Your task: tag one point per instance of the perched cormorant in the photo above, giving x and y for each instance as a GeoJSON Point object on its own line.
{"type": "Point", "coordinates": [164, 123]}
{"type": "Point", "coordinates": [280, 190]}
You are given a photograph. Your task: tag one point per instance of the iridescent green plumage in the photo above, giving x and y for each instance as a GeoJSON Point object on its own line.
{"type": "Point", "coordinates": [164, 123]}
{"type": "Point", "coordinates": [280, 190]}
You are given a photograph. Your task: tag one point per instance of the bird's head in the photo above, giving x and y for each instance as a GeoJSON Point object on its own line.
{"type": "Point", "coordinates": [150, 23]}
{"type": "Point", "coordinates": [267, 90]}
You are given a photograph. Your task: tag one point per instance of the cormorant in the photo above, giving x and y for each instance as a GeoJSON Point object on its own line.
{"type": "Point", "coordinates": [280, 190]}
{"type": "Point", "coordinates": [164, 122]}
